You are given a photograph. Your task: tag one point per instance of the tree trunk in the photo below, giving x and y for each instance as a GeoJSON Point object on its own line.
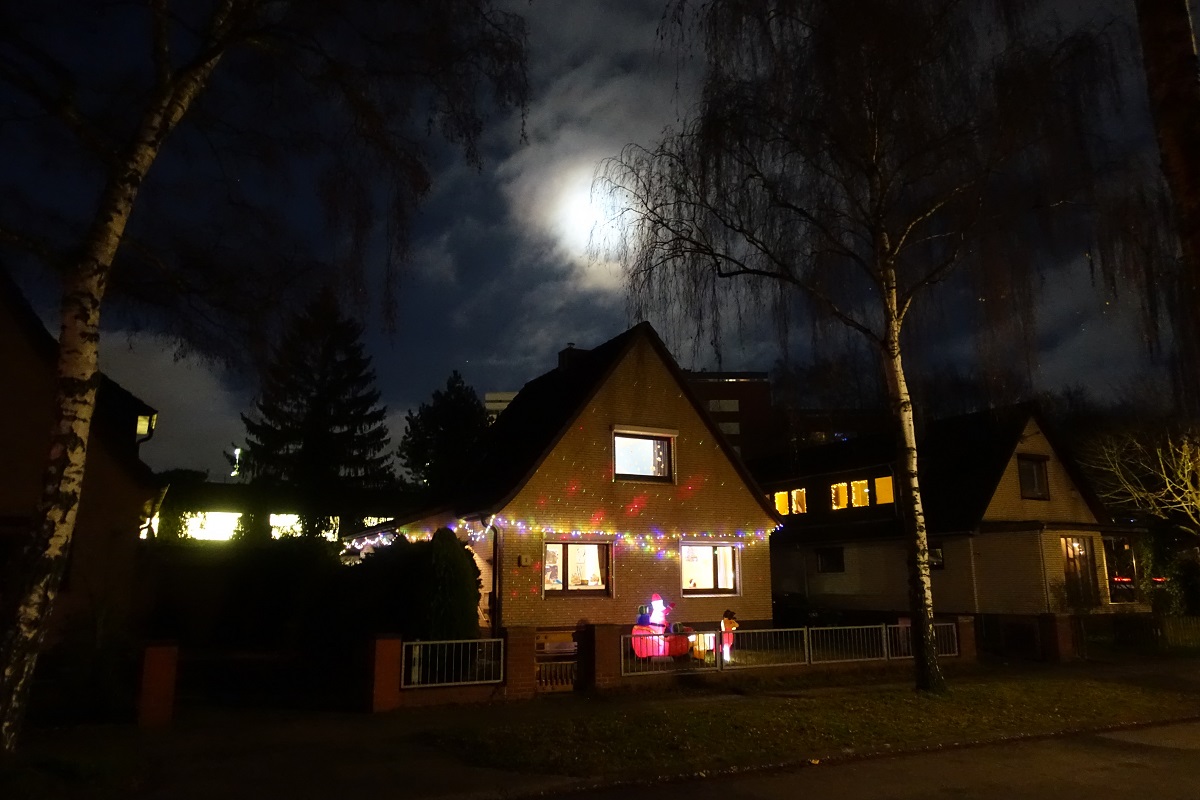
{"type": "Point", "coordinates": [77, 378]}
{"type": "Point", "coordinates": [1173, 80]}
{"type": "Point", "coordinates": [928, 674]}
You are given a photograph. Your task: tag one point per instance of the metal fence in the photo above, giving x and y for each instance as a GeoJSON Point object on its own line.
{"type": "Point", "coordinates": [556, 676]}
{"type": "Point", "coordinates": [649, 654]}
{"type": "Point", "coordinates": [775, 647]}
{"type": "Point", "coordinates": [652, 653]}
{"type": "Point", "coordinates": [459, 662]}
{"type": "Point", "coordinates": [1182, 633]}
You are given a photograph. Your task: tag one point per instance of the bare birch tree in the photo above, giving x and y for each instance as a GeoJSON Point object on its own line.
{"type": "Point", "coordinates": [846, 158]}
{"type": "Point", "coordinates": [1148, 471]}
{"type": "Point", "coordinates": [337, 96]}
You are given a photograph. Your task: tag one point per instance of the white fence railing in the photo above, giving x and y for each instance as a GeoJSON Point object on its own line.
{"type": "Point", "coordinates": [460, 662]}
{"type": "Point", "coordinates": [703, 651]}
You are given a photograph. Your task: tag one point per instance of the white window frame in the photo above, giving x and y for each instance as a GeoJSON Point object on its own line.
{"type": "Point", "coordinates": [737, 571]}
{"type": "Point", "coordinates": [669, 435]}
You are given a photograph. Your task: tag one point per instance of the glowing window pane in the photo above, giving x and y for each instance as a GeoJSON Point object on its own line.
{"type": "Point", "coordinates": [709, 568]}
{"type": "Point", "coordinates": [860, 494]}
{"type": "Point", "coordinates": [781, 502]}
{"type": "Point", "coordinates": [553, 567]}
{"type": "Point", "coordinates": [575, 567]}
{"type": "Point", "coordinates": [883, 490]}
{"type": "Point", "coordinates": [839, 495]}
{"type": "Point", "coordinates": [642, 456]}
{"type": "Point", "coordinates": [285, 525]}
{"type": "Point", "coordinates": [213, 526]}
{"type": "Point", "coordinates": [799, 502]}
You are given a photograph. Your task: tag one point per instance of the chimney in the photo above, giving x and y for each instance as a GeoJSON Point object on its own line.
{"type": "Point", "coordinates": [568, 356]}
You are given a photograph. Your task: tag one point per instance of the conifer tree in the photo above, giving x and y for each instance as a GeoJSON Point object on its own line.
{"type": "Point", "coordinates": [440, 437]}
{"type": "Point", "coordinates": [318, 427]}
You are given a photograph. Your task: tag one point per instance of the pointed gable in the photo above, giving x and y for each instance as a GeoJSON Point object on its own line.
{"type": "Point", "coordinates": [552, 447]}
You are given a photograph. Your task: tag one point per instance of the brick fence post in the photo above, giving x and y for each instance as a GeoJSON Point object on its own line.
{"type": "Point", "coordinates": [156, 695]}
{"type": "Point", "coordinates": [606, 654]}
{"type": "Point", "coordinates": [1057, 637]}
{"type": "Point", "coordinates": [520, 663]}
{"type": "Point", "coordinates": [387, 660]}
{"type": "Point", "coordinates": [968, 651]}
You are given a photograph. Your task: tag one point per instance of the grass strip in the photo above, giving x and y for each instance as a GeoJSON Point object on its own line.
{"type": "Point", "coordinates": [658, 737]}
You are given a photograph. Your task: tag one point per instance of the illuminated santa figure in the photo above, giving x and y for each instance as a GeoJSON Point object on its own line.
{"type": "Point", "coordinates": [659, 610]}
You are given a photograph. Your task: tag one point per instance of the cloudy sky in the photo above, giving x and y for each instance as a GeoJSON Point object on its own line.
{"type": "Point", "coordinates": [500, 280]}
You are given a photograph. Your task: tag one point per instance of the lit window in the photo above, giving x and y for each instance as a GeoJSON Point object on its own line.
{"type": "Point", "coordinates": [723, 406]}
{"type": "Point", "coordinates": [781, 503]}
{"type": "Point", "coordinates": [146, 423]}
{"type": "Point", "coordinates": [730, 428]}
{"type": "Point", "coordinates": [799, 504]}
{"type": "Point", "coordinates": [840, 495]}
{"type": "Point", "coordinates": [883, 490]}
{"type": "Point", "coordinates": [709, 569]}
{"type": "Point", "coordinates": [1122, 570]}
{"type": "Point", "coordinates": [1032, 472]}
{"type": "Point", "coordinates": [831, 559]}
{"type": "Point", "coordinates": [860, 494]}
{"type": "Point", "coordinates": [575, 567]}
{"type": "Point", "coordinates": [642, 457]}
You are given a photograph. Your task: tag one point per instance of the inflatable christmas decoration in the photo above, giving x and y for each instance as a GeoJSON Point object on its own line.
{"type": "Point", "coordinates": [652, 636]}
{"type": "Point", "coordinates": [729, 624]}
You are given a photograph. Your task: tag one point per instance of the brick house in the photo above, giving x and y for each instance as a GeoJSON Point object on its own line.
{"type": "Point", "coordinates": [1013, 529]}
{"type": "Point", "coordinates": [119, 491]}
{"type": "Point", "coordinates": [602, 483]}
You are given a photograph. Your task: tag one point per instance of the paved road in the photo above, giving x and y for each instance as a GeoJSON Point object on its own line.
{"type": "Point", "coordinates": [1160, 763]}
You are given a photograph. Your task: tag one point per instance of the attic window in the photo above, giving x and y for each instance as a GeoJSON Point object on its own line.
{"type": "Point", "coordinates": [1032, 473]}
{"type": "Point", "coordinates": [643, 456]}
{"type": "Point", "coordinates": [792, 502]}
{"type": "Point", "coordinates": [146, 423]}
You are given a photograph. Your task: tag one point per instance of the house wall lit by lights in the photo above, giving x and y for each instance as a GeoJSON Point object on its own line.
{"type": "Point", "coordinates": [602, 483]}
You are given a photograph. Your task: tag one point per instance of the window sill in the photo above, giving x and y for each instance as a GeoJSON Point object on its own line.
{"type": "Point", "coordinates": [641, 479]}
{"type": "Point", "coordinates": [710, 593]}
{"type": "Point", "coordinates": [547, 593]}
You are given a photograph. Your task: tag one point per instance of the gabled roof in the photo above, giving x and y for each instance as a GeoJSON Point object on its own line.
{"type": "Point", "coordinates": [962, 460]}
{"type": "Point", "coordinates": [116, 407]}
{"type": "Point", "coordinates": [528, 430]}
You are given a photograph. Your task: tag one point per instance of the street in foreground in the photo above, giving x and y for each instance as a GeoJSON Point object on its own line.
{"type": "Point", "coordinates": [1158, 762]}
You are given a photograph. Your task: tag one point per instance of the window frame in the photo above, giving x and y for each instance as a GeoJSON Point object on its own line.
{"type": "Point", "coordinates": [650, 434]}
{"type": "Point", "coordinates": [714, 592]}
{"type": "Point", "coordinates": [938, 563]}
{"type": "Point", "coordinates": [1041, 463]}
{"type": "Point", "coordinates": [563, 590]}
{"type": "Point", "coordinates": [822, 552]}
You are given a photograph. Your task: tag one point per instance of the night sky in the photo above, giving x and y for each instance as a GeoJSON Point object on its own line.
{"type": "Point", "coordinates": [500, 280]}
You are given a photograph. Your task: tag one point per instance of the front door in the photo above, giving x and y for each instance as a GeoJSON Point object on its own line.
{"type": "Point", "coordinates": [1079, 563]}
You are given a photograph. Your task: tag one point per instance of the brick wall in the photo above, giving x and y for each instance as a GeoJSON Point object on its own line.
{"type": "Point", "coordinates": [574, 490]}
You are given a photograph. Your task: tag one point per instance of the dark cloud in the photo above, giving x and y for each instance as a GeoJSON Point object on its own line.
{"type": "Point", "coordinates": [499, 280]}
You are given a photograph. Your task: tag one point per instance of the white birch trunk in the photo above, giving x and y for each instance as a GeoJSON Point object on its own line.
{"type": "Point", "coordinates": [928, 674]}
{"type": "Point", "coordinates": [44, 556]}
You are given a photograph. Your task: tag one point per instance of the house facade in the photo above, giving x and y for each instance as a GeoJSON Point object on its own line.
{"type": "Point", "coordinates": [119, 491]}
{"type": "Point", "coordinates": [1013, 529]}
{"type": "Point", "coordinates": [602, 484]}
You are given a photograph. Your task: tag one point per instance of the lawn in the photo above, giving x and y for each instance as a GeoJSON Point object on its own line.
{"type": "Point", "coordinates": [628, 737]}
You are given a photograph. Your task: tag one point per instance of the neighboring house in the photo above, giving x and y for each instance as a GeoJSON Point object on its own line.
{"type": "Point", "coordinates": [197, 509]}
{"type": "Point", "coordinates": [119, 491]}
{"type": "Point", "coordinates": [1013, 529]}
{"type": "Point", "coordinates": [603, 483]}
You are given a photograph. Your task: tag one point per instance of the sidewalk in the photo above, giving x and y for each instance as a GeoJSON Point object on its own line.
{"type": "Point", "coordinates": [269, 754]}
